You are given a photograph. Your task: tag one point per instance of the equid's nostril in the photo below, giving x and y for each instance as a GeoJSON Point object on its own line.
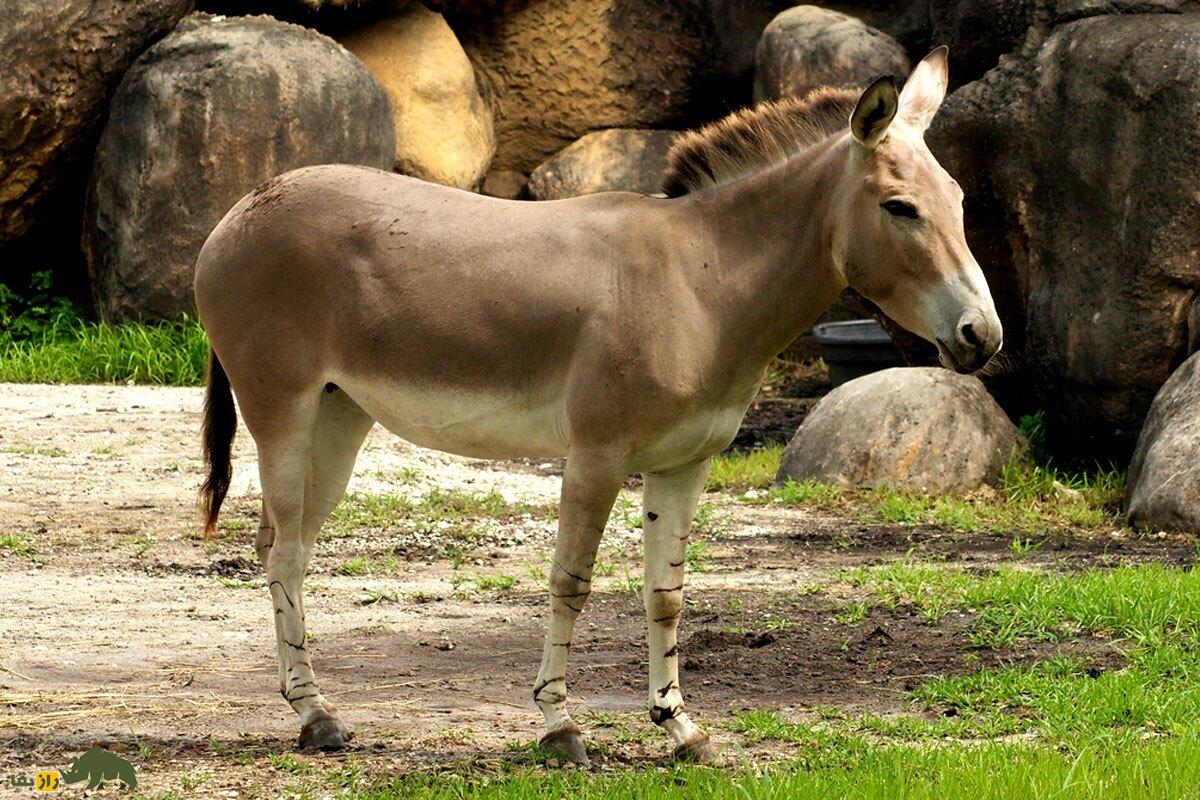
{"type": "Point", "coordinates": [968, 335]}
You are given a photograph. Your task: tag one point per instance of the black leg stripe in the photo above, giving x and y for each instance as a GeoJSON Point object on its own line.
{"type": "Point", "coordinates": [285, 594]}
{"type": "Point", "coordinates": [570, 574]}
{"type": "Point", "coordinates": [541, 686]}
{"type": "Point", "coordinates": [659, 714]}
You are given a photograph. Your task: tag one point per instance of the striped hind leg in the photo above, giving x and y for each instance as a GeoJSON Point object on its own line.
{"type": "Point", "coordinates": [304, 472]}
{"type": "Point", "coordinates": [668, 504]}
{"type": "Point", "coordinates": [590, 486]}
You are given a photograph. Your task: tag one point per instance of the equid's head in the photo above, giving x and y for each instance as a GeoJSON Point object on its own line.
{"type": "Point", "coordinates": [898, 236]}
{"type": "Point", "coordinates": [895, 215]}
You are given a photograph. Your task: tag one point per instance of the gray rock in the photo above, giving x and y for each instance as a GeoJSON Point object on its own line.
{"type": "Point", "coordinates": [60, 61]}
{"type": "Point", "coordinates": [621, 159]}
{"type": "Point", "coordinates": [1083, 206]}
{"type": "Point", "coordinates": [807, 47]}
{"type": "Point", "coordinates": [915, 428]}
{"type": "Point", "coordinates": [203, 117]}
{"type": "Point", "coordinates": [978, 32]}
{"type": "Point", "coordinates": [1163, 485]}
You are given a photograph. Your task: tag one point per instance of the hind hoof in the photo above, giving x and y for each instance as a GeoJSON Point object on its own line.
{"type": "Point", "coordinates": [324, 733]}
{"type": "Point", "coordinates": [567, 742]}
{"type": "Point", "coordinates": [696, 750]}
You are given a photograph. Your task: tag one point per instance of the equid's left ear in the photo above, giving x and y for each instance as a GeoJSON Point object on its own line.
{"type": "Point", "coordinates": [875, 110]}
{"type": "Point", "coordinates": [925, 89]}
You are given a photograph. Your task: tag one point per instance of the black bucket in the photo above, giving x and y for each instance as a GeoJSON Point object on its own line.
{"type": "Point", "coordinates": [855, 348]}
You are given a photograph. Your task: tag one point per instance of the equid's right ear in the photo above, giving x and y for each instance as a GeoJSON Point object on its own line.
{"type": "Point", "coordinates": [875, 111]}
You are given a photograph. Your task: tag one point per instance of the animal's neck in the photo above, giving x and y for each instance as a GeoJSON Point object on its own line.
{"type": "Point", "coordinates": [772, 237]}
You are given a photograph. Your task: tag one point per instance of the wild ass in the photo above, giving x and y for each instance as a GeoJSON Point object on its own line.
{"type": "Point", "coordinates": [627, 333]}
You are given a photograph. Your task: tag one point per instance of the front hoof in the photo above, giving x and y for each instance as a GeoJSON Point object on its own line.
{"type": "Point", "coordinates": [697, 750]}
{"type": "Point", "coordinates": [568, 743]}
{"type": "Point", "coordinates": [325, 733]}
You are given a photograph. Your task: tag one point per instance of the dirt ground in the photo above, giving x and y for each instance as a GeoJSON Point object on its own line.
{"type": "Point", "coordinates": [121, 627]}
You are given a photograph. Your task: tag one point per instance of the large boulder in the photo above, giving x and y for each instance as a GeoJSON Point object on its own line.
{"type": "Point", "coordinates": [443, 123]}
{"type": "Point", "coordinates": [204, 116]}
{"type": "Point", "coordinates": [561, 69]}
{"type": "Point", "coordinates": [622, 159]}
{"type": "Point", "coordinates": [60, 61]}
{"type": "Point", "coordinates": [978, 32]}
{"type": "Point", "coordinates": [1163, 485]}
{"type": "Point", "coordinates": [917, 428]}
{"type": "Point", "coordinates": [806, 47]}
{"type": "Point", "coordinates": [1082, 177]}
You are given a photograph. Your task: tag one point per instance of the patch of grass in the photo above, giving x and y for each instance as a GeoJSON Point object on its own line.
{"type": "Point", "coordinates": [18, 544]}
{"type": "Point", "coordinates": [696, 557]}
{"type": "Point", "coordinates": [372, 564]}
{"type": "Point", "coordinates": [1032, 499]}
{"type": "Point", "coordinates": [738, 472]}
{"type": "Point", "coordinates": [1147, 603]}
{"type": "Point", "coordinates": [1151, 612]}
{"type": "Point", "coordinates": [438, 507]}
{"type": "Point", "coordinates": [855, 612]}
{"type": "Point", "coordinates": [232, 583]}
{"type": "Point", "coordinates": [374, 596]}
{"type": "Point", "coordinates": [709, 522]}
{"type": "Point", "coordinates": [67, 349]}
{"type": "Point", "coordinates": [498, 582]}
{"type": "Point", "coordinates": [807, 493]}
{"type": "Point", "coordinates": [142, 543]}
{"type": "Point", "coordinates": [839, 769]}
{"type": "Point", "coordinates": [629, 583]}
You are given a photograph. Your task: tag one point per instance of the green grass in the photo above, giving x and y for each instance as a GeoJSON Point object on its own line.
{"type": "Point", "coordinates": [67, 349]}
{"type": "Point", "coordinates": [738, 472]}
{"type": "Point", "coordinates": [1150, 613]}
{"type": "Point", "coordinates": [381, 511]}
{"type": "Point", "coordinates": [1028, 498]}
{"type": "Point", "coordinates": [835, 769]}
{"type": "Point", "coordinates": [368, 564]}
{"type": "Point", "coordinates": [1031, 496]}
{"type": "Point", "coordinates": [18, 544]}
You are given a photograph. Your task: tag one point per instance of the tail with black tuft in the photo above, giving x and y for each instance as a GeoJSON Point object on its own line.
{"type": "Point", "coordinates": [220, 425]}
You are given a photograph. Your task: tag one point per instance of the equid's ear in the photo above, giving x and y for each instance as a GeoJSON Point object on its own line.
{"type": "Point", "coordinates": [925, 89]}
{"type": "Point", "coordinates": [874, 111]}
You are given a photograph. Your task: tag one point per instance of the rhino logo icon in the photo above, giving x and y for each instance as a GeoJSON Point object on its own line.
{"type": "Point", "coordinates": [97, 766]}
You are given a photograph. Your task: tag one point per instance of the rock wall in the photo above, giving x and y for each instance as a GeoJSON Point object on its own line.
{"type": "Point", "coordinates": [54, 91]}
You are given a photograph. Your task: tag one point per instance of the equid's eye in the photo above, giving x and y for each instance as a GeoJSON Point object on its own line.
{"type": "Point", "coordinates": [900, 208]}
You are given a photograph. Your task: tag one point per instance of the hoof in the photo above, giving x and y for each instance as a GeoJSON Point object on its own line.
{"type": "Point", "coordinates": [697, 750]}
{"type": "Point", "coordinates": [324, 733]}
{"type": "Point", "coordinates": [567, 742]}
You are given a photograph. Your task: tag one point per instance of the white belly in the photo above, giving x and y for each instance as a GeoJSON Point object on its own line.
{"type": "Point", "coordinates": [690, 439]}
{"type": "Point", "coordinates": [474, 424]}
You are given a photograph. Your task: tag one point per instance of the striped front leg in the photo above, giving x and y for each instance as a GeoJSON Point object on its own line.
{"type": "Point", "coordinates": [669, 502]}
{"type": "Point", "coordinates": [589, 488]}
